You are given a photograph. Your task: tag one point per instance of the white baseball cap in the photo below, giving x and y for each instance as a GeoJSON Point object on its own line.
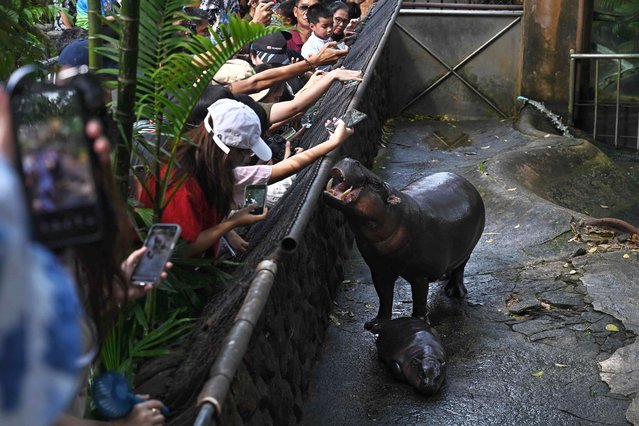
{"type": "Point", "coordinates": [234, 124]}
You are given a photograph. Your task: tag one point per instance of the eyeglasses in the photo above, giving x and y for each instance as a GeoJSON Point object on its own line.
{"type": "Point", "coordinates": [339, 20]}
{"type": "Point", "coordinates": [303, 7]}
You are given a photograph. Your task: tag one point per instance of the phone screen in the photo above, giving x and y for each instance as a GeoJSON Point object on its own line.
{"type": "Point", "coordinates": [350, 118]}
{"type": "Point", "coordinates": [160, 242]}
{"type": "Point", "coordinates": [255, 194]}
{"type": "Point", "coordinates": [56, 164]}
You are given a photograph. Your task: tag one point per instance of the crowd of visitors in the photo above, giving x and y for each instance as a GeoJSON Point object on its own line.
{"type": "Point", "coordinates": [241, 133]}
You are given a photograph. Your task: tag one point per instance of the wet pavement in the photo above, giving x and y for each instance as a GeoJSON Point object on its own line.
{"type": "Point", "coordinates": [542, 310]}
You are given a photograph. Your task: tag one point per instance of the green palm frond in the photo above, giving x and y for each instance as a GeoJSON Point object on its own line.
{"type": "Point", "coordinates": [173, 71]}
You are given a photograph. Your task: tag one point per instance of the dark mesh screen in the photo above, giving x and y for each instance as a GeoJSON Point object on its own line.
{"type": "Point", "coordinates": [266, 236]}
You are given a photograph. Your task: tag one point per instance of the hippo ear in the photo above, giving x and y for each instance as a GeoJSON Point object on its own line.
{"type": "Point", "coordinates": [393, 200]}
{"type": "Point", "coordinates": [396, 369]}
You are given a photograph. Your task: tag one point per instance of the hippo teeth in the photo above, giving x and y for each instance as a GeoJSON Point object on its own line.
{"type": "Point", "coordinates": [329, 185]}
{"type": "Point", "coordinates": [345, 193]}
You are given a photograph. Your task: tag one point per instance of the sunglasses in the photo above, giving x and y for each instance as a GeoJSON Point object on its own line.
{"type": "Point", "coordinates": [303, 7]}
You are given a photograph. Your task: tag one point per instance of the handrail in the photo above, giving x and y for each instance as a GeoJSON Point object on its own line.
{"type": "Point", "coordinates": [415, 5]}
{"type": "Point", "coordinates": [289, 242]}
{"type": "Point", "coordinates": [571, 89]}
{"type": "Point", "coordinates": [214, 391]}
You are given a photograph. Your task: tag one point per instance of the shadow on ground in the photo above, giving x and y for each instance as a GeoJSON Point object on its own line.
{"type": "Point", "coordinates": [541, 313]}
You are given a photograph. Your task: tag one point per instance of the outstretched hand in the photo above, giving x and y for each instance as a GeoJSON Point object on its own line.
{"type": "Point", "coordinates": [328, 54]}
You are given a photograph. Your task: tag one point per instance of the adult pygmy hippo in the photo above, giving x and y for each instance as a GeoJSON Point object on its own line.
{"type": "Point", "coordinates": [413, 352]}
{"type": "Point", "coordinates": [424, 233]}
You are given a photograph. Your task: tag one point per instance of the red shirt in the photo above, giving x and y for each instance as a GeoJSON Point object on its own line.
{"type": "Point", "coordinates": [188, 208]}
{"type": "Point", "coordinates": [295, 43]}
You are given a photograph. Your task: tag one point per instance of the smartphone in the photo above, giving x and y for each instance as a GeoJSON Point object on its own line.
{"type": "Point", "coordinates": [160, 242]}
{"type": "Point", "coordinates": [350, 118]}
{"type": "Point", "coordinates": [56, 160]}
{"type": "Point", "coordinates": [341, 45]}
{"type": "Point", "coordinates": [255, 194]}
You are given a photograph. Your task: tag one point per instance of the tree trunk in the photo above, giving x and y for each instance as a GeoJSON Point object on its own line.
{"type": "Point", "coordinates": [125, 112]}
{"type": "Point", "coordinates": [94, 16]}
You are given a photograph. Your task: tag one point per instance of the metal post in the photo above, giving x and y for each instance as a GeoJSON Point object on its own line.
{"type": "Point", "coordinates": [571, 90]}
{"type": "Point", "coordinates": [618, 101]}
{"type": "Point", "coordinates": [594, 125]}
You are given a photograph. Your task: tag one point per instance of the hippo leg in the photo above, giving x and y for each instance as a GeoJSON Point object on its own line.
{"type": "Point", "coordinates": [419, 290]}
{"type": "Point", "coordinates": [384, 281]}
{"type": "Point", "coordinates": [455, 286]}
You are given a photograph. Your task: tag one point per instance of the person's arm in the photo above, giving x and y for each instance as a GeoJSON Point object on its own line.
{"type": "Point", "coordinates": [209, 236]}
{"type": "Point", "coordinates": [297, 162]}
{"type": "Point", "coordinates": [282, 111]}
{"type": "Point", "coordinates": [327, 55]}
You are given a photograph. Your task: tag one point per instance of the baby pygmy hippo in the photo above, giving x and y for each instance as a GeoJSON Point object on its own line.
{"type": "Point", "coordinates": [413, 352]}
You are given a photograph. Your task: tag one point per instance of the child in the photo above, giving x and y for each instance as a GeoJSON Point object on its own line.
{"type": "Point", "coordinates": [320, 19]}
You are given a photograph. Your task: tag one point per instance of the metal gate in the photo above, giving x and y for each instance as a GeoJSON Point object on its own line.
{"type": "Point", "coordinates": [460, 60]}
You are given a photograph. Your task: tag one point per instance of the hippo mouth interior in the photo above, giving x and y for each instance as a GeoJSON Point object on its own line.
{"type": "Point", "coordinates": [339, 188]}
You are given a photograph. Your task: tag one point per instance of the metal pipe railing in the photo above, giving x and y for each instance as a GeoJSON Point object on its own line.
{"type": "Point", "coordinates": [214, 391]}
{"type": "Point", "coordinates": [572, 92]}
{"type": "Point", "coordinates": [289, 242]}
{"type": "Point", "coordinates": [422, 5]}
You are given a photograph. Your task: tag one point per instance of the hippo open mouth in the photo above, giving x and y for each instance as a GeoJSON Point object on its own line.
{"type": "Point", "coordinates": [339, 188]}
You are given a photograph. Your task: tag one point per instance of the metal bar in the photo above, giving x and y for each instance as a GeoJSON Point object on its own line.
{"type": "Point", "coordinates": [594, 131]}
{"type": "Point", "coordinates": [462, 12]}
{"type": "Point", "coordinates": [571, 91]}
{"type": "Point", "coordinates": [289, 242]}
{"type": "Point", "coordinates": [407, 4]}
{"type": "Point", "coordinates": [459, 65]}
{"type": "Point", "coordinates": [605, 55]}
{"type": "Point", "coordinates": [618, 101]}
{"type": "Point", "coordinates": [235, 343]}
{"type": "Point", "coordinates": [205, 416]}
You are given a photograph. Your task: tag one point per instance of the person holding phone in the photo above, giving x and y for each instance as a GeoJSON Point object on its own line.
{"type": "Point", "coordinates": [201, 187]}
{"type": "Point", "coordinates": [260, 12]}
{"type": "Point", "coordinates": [102, 282]}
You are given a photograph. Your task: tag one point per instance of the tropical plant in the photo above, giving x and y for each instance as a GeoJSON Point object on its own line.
{"type": "Point", "coordinates": [163, 71]}
{"type": "Point", "coordinates": [21, 41]}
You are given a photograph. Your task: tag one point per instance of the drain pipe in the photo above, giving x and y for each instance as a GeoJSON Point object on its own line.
{"type": "Point", "coordinates": [289, 242]}
{"type": "Point", "coordinates": [234, 346]}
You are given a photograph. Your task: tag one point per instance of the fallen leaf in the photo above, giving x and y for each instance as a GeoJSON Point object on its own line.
{"type": "Point", "coordinates": [368, 306]}
{"type": "Point", "coordinates": [537, 374]}
{"type": "Point", "coordinates": [511, 189]}
{"type": "Point", "coordinates": [572, 272]}
{"type": "Point", "coordinates": [545, 305]}
{"type": "Point", "coordinates": [490, 241]}
{"type": "Point", "coordinates": [566, 265]}
{"type": "Point", "coordinates": [347, 282]}
{"type": "Point", "coordinates": [612, 327]}
{"type": "Point", "coordinates": [604, 207]}
{"type": "Point", "coordinates": [592, 249]}
{"type": "Point", "coordinates": [517, 226]}
{"type": "Point", "coordinates": [334, 319]}
{"type": "Point", "coordinates": [561, 365]}
{"type": "Point", "coordinates": [626, 256]}
{"type": "Point", "coordinates": [485, 147]}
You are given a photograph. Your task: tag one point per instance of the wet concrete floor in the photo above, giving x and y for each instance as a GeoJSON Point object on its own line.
{"type": "Point", "coordinates": [524, 345]}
